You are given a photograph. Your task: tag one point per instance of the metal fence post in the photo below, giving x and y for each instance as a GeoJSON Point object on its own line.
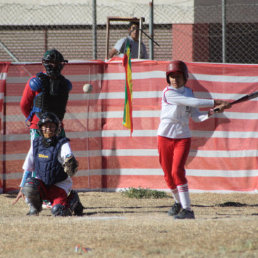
{"type": "Point", "coordinates": [151, 30]}
{"type": "Point", "coordinates": [46, 39]}
{"type": "Point", "coordinates": [223, 6]}
{"type": "Point", "coordinates": [94, 28]}
{"type": "Point", "coordinates": [140, 37]}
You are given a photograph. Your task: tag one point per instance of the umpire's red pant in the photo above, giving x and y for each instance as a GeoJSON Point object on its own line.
{"type": "Point", "coordinates": [173, 154]}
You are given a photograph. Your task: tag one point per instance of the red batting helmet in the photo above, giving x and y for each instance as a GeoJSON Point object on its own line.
{"type": "Point", "coordinates": [177, 66]}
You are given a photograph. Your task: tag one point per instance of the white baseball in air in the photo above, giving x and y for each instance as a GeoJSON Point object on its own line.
{"type": "Point", "coordinates": [87, 88]}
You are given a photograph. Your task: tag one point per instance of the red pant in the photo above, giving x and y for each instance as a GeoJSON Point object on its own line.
{"type": "Point", "coordinates": [53, 193]}
{"type": "Point", "coordinates": [173, 154]}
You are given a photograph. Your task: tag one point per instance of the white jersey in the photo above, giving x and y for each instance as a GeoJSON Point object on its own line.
{"type": "Point", "coordinates": [120, 47]}
{"type": "Point", "coordinates": [178, 105]}
{"type": "Point", "coordinates": [65, 152]}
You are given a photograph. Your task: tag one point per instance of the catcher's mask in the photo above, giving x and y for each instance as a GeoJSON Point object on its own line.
{"type": "Point", "coordinates": [53, 61]}
{"type": "Point", "coordinates": [177, 66]}
{"type": "Point", "coordinates": [52, 128]}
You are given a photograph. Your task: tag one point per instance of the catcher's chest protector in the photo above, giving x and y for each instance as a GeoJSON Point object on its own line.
{"type": "Point", "coordinates": [53, 96]}
{"type": "Point", "coordinates": [47, 166]}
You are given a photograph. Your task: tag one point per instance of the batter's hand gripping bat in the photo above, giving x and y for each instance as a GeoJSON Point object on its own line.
{"type": "Point", "coordinates": [242, 99]}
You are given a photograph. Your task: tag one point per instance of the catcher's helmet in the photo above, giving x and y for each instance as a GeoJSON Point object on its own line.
{"type": "Point", "coordinates": [49, 117]}
{"type": "Point", "coordinates": [177, 66]}
{"type": "Point", "coordinates": [51, 57]}
{"type": "Point", "coordinates": [54, 56]}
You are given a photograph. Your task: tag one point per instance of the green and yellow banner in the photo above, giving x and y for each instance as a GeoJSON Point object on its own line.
{"type": "Point", "coordinates": [127, 118]}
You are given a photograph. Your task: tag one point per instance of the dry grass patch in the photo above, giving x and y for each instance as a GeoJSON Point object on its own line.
{"type": "Point", "coordinates": [114, 225]}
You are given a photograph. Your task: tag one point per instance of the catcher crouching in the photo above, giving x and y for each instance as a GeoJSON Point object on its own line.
{"type": "Point", "coordinates": [51, 157]}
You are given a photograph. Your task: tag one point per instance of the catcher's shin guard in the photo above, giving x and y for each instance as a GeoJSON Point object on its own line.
{"type": "Point", "coordinates": [31, 191]}
{"type": "Point", "coordinates": [61, 210]}
{"type": "Point", "coordinates": [74, 203]}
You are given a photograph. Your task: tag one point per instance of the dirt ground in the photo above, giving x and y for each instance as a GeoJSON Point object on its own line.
{"type": "Point", "coordinates": [114, 225]}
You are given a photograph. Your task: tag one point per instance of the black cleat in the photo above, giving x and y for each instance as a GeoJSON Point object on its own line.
{"type": "Point", "coordinates": [33, 211]}
{"type": "Point", "coordinates": [78, 210]}
{"type": "Point", "coordinates": [175, 209]}
{"type": "Point", "coordinates": [185, 214]}
{"type": "Point", "coordinates": [75, 204]}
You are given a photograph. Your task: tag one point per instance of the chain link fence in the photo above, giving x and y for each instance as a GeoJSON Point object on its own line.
{"type": "Point", "coordinates": [188, 30]}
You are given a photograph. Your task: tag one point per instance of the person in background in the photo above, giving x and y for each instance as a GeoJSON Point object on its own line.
{"type": "Point", "coordinates": [174, 135]}
{"type": "Point", "coordinates": [133, 37]}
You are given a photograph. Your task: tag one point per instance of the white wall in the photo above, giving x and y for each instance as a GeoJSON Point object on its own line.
{"type": "Point", "coordinates": [38, 12]}
{"type": "Point", "coordinates": [79, 12]}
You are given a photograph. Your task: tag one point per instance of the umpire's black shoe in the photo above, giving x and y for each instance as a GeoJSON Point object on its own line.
{"type": "Point", "coordinates": [185, 214]}
{"type": "Point", "coordinates": [175, 209]}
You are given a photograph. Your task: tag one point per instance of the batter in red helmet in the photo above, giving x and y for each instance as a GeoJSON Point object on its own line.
{"type": "Point", "coordinates": [174, 136]}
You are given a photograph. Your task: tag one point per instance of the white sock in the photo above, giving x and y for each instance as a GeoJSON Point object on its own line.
{"type": "Point", "coordinates": [184, 196]}
{"type": "Point", "coordinates": [175, 195]}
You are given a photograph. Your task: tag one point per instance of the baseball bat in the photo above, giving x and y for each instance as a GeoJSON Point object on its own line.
{"type": "Point", "coordinates": [242, 99]}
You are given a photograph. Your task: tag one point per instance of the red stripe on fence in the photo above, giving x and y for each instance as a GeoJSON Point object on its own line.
{"type": "Point", "coordinates": [94, 122]}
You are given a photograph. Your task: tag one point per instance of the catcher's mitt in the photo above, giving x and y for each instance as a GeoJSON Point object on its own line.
{"type": "Point", "coordinates": [70, 165]}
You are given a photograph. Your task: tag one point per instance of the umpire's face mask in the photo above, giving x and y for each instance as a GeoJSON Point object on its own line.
{"type": "Point", "coordinates": [53, 69]}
